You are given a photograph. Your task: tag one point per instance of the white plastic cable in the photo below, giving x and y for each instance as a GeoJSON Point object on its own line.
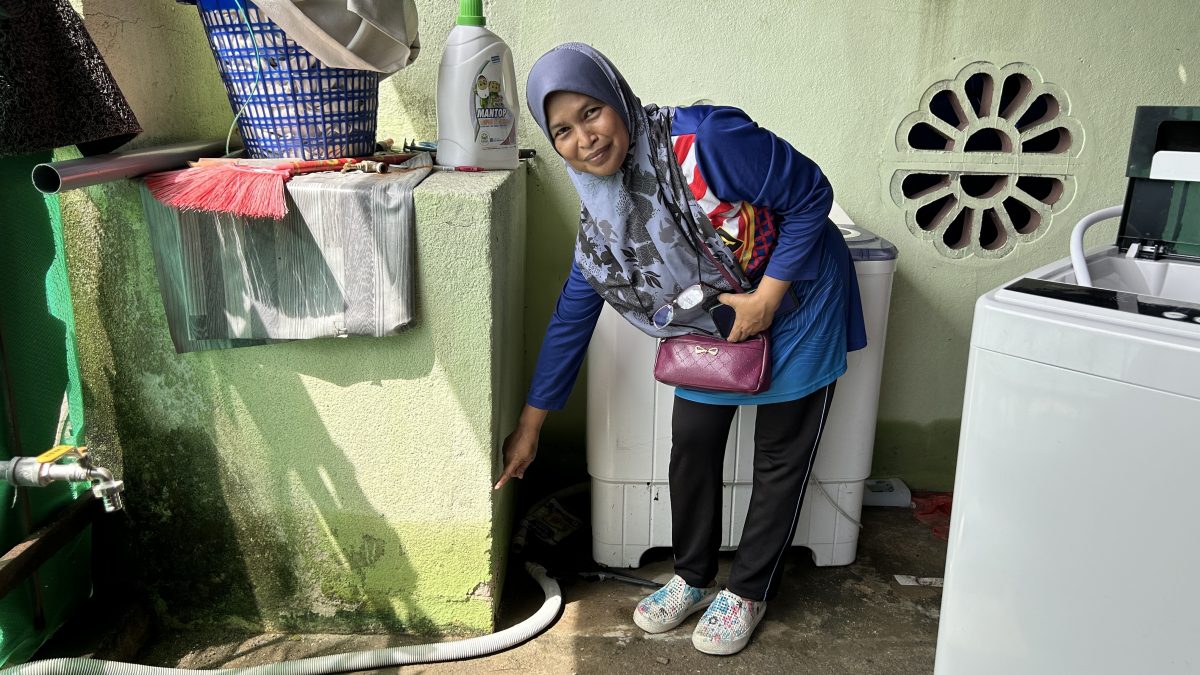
{"type": "Point", "coordinates": [1078, 262]}
{"type": "Point", "coordinates": [339, 663]}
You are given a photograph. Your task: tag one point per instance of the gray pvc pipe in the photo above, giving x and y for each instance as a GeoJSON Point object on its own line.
{"type": "Point", "coordinates": [55, 177]}
{"type": "Point", "coordinates": [339, 663]}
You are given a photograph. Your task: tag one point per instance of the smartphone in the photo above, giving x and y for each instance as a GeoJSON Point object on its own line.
{"type": "Point", "coordinates": [723, 316]}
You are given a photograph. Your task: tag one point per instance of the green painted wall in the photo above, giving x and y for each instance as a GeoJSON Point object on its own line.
{"type": "Point", "coordinates": [836, 79]}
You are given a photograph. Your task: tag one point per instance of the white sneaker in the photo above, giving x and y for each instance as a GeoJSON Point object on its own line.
{"type": "Point", "coordinates": [667, 607]}
{"type": "Point", "coordinates": [728, 623]}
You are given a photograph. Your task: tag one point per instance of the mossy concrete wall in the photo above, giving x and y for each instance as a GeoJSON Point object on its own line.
{"type": "Point", "coordinates": [837, 79]}
{"type": "Point", "coordinates": [337, 484]}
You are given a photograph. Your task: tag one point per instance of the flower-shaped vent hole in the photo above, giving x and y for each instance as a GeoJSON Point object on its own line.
{"type": "Point", "coordinates": [987, 160]}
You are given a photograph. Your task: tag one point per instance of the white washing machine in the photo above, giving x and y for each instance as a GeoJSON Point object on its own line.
{"type": "Point", "coordinates": [629, 435]}
{"type": "Point", "coordinates": [1073, 545]}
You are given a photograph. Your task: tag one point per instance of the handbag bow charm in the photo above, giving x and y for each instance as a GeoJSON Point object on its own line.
{"type": "Point", "coordinates": [711, 351]}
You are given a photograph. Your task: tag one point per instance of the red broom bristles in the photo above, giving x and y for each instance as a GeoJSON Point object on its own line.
{"type": "Point", "coordinates": [250, 192]}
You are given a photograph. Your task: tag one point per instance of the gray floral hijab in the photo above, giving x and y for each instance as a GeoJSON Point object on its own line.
{"type": "Point", "coordinates": [639, 229]}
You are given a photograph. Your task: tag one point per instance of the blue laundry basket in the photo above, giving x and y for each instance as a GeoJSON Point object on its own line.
{"type": "Point", "coordinates": [291, 104]}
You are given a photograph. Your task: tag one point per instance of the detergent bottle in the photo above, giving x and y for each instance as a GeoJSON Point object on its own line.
{"type": "Point", "coordinates": [476, 96]}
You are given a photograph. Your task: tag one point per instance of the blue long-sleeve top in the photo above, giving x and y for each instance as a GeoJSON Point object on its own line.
{"type": "Point", "coordinates": [742, 162]}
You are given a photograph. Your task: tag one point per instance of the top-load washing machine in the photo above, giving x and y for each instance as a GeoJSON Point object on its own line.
{"type": "Point", "coordinates": [1073, 539]}
{"type": "Point", "coordinates": [629, 434]}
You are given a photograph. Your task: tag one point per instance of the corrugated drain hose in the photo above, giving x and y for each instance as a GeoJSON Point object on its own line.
{"type": "Point", "coordinates": [339, 663]}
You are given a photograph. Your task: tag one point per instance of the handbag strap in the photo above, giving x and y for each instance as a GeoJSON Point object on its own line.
{"type": "Point", "coordinates": [737, 287]}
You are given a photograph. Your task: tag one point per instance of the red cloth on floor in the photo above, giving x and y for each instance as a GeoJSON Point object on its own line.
{"type": "Point", "coordinates": [933, 509]}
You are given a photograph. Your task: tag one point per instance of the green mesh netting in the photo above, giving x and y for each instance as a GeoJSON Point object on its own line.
{"type": "Point", "coordinates": [42, 372]}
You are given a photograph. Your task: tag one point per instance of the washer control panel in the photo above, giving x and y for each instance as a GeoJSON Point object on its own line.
{"type": "Point", "coordinates": [1122, 301]}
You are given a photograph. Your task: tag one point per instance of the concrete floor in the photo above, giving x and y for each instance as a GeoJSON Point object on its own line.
{"type": "Point", "coordinates": [854, 619]}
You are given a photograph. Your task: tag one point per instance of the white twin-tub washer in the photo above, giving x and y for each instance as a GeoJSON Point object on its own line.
{"type": "Point", "coordinates": [1074, 544]}
{"type": "Point", "coordinates": [629, 435]}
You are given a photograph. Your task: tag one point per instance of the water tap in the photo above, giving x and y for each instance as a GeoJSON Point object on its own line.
{"type": "Point", "coordinates": [107, 489]}
{"type": "Point", "coordinates": [44, 469]}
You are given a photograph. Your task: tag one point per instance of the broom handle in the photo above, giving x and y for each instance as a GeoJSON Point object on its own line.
{"type": "Point", "coordinates": [306, 166]}
{"type": "Point", "coordinates": [302, 166]}
{"type": "Point", "coordinates": [318, 164]}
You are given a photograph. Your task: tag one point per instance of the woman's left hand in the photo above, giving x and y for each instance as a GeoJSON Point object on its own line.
{"type": "Point", "coordinates": [754, 311]}
{"type": "Point", "coordinates": [754, 314]}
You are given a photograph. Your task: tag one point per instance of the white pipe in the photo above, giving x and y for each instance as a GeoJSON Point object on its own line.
{"type": "Point", "coordinates": [338, 663]}
{"type": "Point", "coordinates": [1078, 262]}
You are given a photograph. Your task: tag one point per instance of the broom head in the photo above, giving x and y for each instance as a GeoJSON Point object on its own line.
{"type": "Point", "coordinates": [249, 192]}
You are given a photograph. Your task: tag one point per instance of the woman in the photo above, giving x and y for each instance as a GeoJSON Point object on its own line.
{"type": "Point", "coordinates": [657, 184]}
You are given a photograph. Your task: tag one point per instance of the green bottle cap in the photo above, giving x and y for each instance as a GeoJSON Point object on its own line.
{"type": "Point", "coordinates": [470, 13]}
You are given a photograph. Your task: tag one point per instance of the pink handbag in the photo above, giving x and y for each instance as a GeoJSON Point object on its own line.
{"type": "Point", "coordinates": [714, 364]}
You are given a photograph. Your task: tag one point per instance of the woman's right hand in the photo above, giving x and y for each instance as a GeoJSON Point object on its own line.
{"type": "Point", "coordinates": [521, 445]}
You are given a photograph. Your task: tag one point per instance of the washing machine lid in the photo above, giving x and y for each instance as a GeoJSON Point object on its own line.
{"type": "Point", "coordinates": [1162, 204]}
{"type": "Point", "coordinates": [866, 245]}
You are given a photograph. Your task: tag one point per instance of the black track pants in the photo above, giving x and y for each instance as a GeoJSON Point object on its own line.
{"type": "Point", "coordinates": [786, 436]}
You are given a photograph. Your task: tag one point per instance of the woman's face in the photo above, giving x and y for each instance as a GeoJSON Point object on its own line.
{"type": "Point", "coordinates": [587, 132]}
